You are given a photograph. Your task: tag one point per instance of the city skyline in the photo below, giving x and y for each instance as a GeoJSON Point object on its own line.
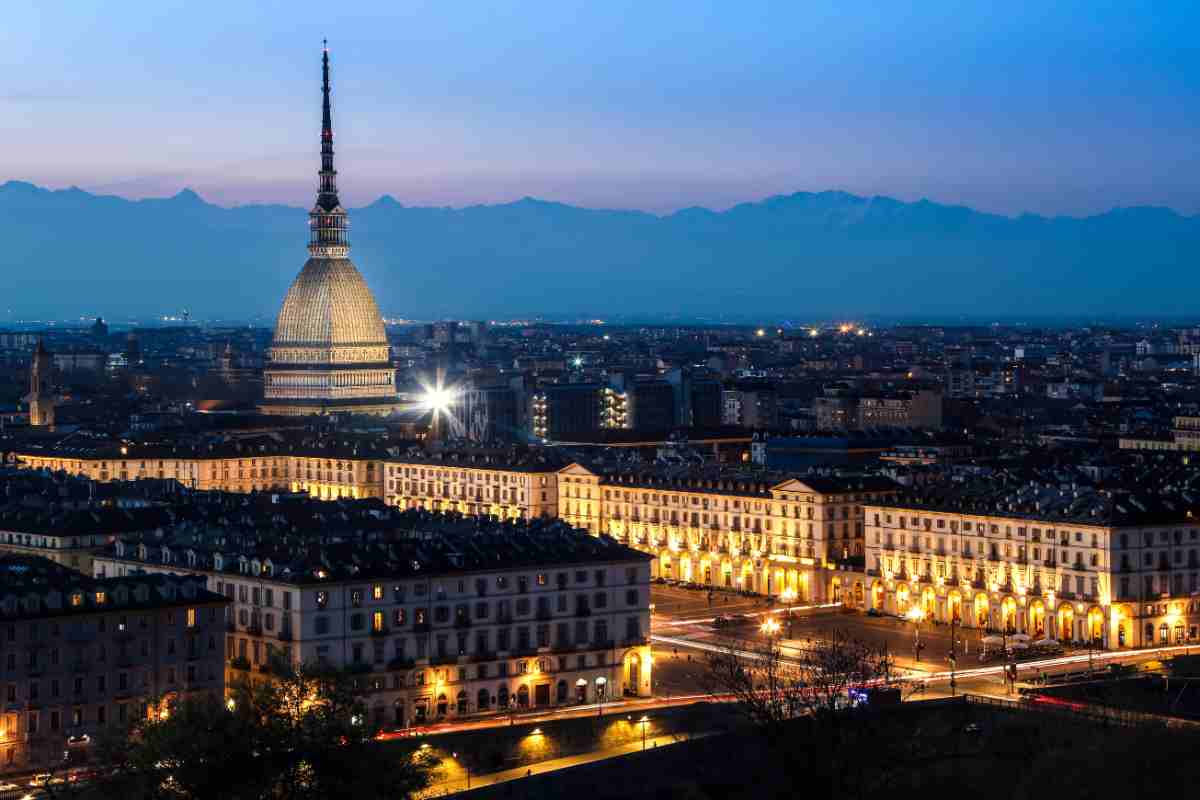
{"type": "Point", "coordinates": [1042, 111]}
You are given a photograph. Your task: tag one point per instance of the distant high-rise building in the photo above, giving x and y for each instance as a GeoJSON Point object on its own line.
{"type": "Point", "coordinates": [330, 351]}
{"type": "Point", "coordinates": [41, 398]}
{"type": "Point", "coordinates": [99, 327]}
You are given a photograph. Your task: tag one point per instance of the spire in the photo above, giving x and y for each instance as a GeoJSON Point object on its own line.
{"type": "Point", "coordinates": [327, 220]}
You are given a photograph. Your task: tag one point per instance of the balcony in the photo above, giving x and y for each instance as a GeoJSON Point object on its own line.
{"type": "Point", "coordinates": [231, 626]}
{"type": "Point", "coordinates": [380, 631]}
{"type": "Point", "coordinates": [447, 658]}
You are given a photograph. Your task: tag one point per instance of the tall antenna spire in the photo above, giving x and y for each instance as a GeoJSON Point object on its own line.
{"type": "Point", "coordinates": [327, 220]}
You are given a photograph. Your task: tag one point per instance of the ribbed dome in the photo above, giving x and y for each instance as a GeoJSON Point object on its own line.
{"type": "Point", "coordinates": [329, 305]}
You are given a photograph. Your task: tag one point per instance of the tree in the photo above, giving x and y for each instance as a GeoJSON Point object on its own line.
{"type": "Point", "coordinates": [801, 704]}
{"type": "Point", "coordinates": [300, 735]}
{"type": "Point", "coordinates": [772, 690]}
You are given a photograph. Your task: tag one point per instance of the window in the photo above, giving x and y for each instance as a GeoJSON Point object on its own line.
{"type": "Point", "coordinates": [377, 592]}
{"type": "Point", "coordinates": [631, 597]}
{"type": "Point", "coordinates": [191, 617]}
{"type": "Point", "coordinates": [322, 598]}
{"type": "Point", "coordinates": [377, 621]}
{"type": "Point", "coordinates": [321, 625]}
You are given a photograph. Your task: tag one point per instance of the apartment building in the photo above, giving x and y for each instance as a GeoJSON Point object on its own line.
{"type": "Point", "coordinates": [1121, 569]}
{"type": "Point", "coordinates": [440, 616]}
{"type": "Point", "coordinates": [764, 533]}
{"type": "Point", "coordinates": [508, 484]}
{"type": "Point", "coordinates": [81, 654]}
{"type": "Point", "coordinates": [330, 469]}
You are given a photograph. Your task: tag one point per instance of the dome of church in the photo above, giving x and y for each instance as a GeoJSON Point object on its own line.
{"type": "Point", "coordinates": [329, 305]}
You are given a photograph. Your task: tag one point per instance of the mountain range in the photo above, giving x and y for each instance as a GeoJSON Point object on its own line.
{"type": "Point", "coordinates": [795, 256]}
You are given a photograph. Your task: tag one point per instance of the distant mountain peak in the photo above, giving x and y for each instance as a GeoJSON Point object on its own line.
{"type": "Point", "coordinates": [186, 195]}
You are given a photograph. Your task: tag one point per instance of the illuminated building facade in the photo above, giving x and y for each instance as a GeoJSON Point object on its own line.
{"type": "Point", "coordinates": [330, 351]}
{"type": "Point", "coordinates": [725, 529]}
{"type": "Point", "coordinates": [1074, 565]}
{"type": "Point", "coordinates": [475, 482]}
{"type": "Point", "coordinates": [329, 470]}
{"type": "Point", "coordinates": [438, 617]}
{"type": "Point", "coordinates": [83, 656]}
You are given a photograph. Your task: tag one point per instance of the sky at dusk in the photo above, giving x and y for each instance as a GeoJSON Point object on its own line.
{"type": "Point", "coordinates": [1055, 108]}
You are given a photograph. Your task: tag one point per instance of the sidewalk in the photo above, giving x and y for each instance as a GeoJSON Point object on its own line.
{"type": "Point", "coordinates": [459, 784]}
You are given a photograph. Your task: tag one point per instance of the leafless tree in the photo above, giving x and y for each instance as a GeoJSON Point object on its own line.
{"type": "Point", "coordinates": [772, 688]}
{"type": "Point", "coordinates": [799, 699]}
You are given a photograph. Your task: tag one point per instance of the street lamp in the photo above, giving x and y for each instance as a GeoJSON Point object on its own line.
{"type": "Point", "coordinates": [643, 722]}
{"type": "Point", "coordinates": [770, 627]}
{"type": "Point", "coordinates": [916, 614]}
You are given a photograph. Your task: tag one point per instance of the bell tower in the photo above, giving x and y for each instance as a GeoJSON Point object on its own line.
{"type": "Point", "coordinates": [41, 398]}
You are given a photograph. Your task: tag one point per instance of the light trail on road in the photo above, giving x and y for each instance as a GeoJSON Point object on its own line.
{"type": "Point", "coordinates": [768, 612]}
{"type": "Point", "coordinates": [959, 674]}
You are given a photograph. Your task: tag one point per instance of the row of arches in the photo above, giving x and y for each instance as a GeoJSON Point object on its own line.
{"type": "Point", "coordinates": [771, 579]}
{"type": "Point", "coordinates": [1067, 622]}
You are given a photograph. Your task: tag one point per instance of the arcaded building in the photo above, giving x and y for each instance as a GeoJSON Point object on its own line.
{"type": "Point", "coordinates": [330, 351]}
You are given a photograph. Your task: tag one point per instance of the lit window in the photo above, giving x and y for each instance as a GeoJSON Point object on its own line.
{"type": "Point", "coordinates": [100, 598]}
{"type": "Point", "coordinates": [377, 621]}
{"type": "Point", "coordinates": [191, 617]}
{"type": "Point", "coordinates": [77, 599]}
{"type": "Point", "coordinates": [377, 592]}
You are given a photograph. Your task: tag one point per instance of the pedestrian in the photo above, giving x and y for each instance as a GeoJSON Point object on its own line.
{"type": "Point", "coordinates": [529, 773]}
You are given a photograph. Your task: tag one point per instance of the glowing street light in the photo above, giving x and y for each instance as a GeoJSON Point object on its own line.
{"type": "Point", "coordinates": [770, 627]}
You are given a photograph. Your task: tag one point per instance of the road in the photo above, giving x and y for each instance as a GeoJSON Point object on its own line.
{"type": "Point", "coordinates": [682, 634]}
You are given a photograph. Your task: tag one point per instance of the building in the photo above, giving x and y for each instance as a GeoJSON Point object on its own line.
{"type": "Point", "coordinates": [439, 616]}
{"type": "Point", "coordinates": [767, 534]}
{"type": "Point", "coordinates": [841, 409]}
{"type": "Point", "coordinates": [330, 350]}
{"type": "Point", "coordinates": [908, 409]}
{"type": "Point", "coordinates": [750, 406]}
{"type": "Point", "coordinates": [564, 411]}
{"type": "Point", "coordinates": [1121, 569]}
{"type": "Point", "coordinates": [1185, 436]}
{"type": "Point", "coordinates": [506, 484]}
{"type": "Point", "coordinates": [324, 467]}
{"type": "Point", "coordinates": [82, 654]}
{"type": "Point", "coordinates": [489, 414]}
{"type": "Point", "coordinates": [41, 393]}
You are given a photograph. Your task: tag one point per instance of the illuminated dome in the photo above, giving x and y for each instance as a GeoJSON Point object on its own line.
{"type": "Point", "coordinates": [330, 350]}
{"type": "Point", "coordinates": [329, 306]}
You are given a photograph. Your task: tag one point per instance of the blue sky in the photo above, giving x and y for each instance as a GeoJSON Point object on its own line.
{"type": "Point", "coordinates": [1048, 107]}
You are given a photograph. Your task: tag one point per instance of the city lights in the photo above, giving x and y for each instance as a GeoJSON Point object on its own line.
{"type": "Point", "coordinates": [770, 627]}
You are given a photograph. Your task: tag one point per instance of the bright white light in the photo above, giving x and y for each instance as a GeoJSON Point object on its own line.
{"type": "Point", "coordinates": [439, 399]}
{"type": "Point", "coordinates": [578, 362]}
